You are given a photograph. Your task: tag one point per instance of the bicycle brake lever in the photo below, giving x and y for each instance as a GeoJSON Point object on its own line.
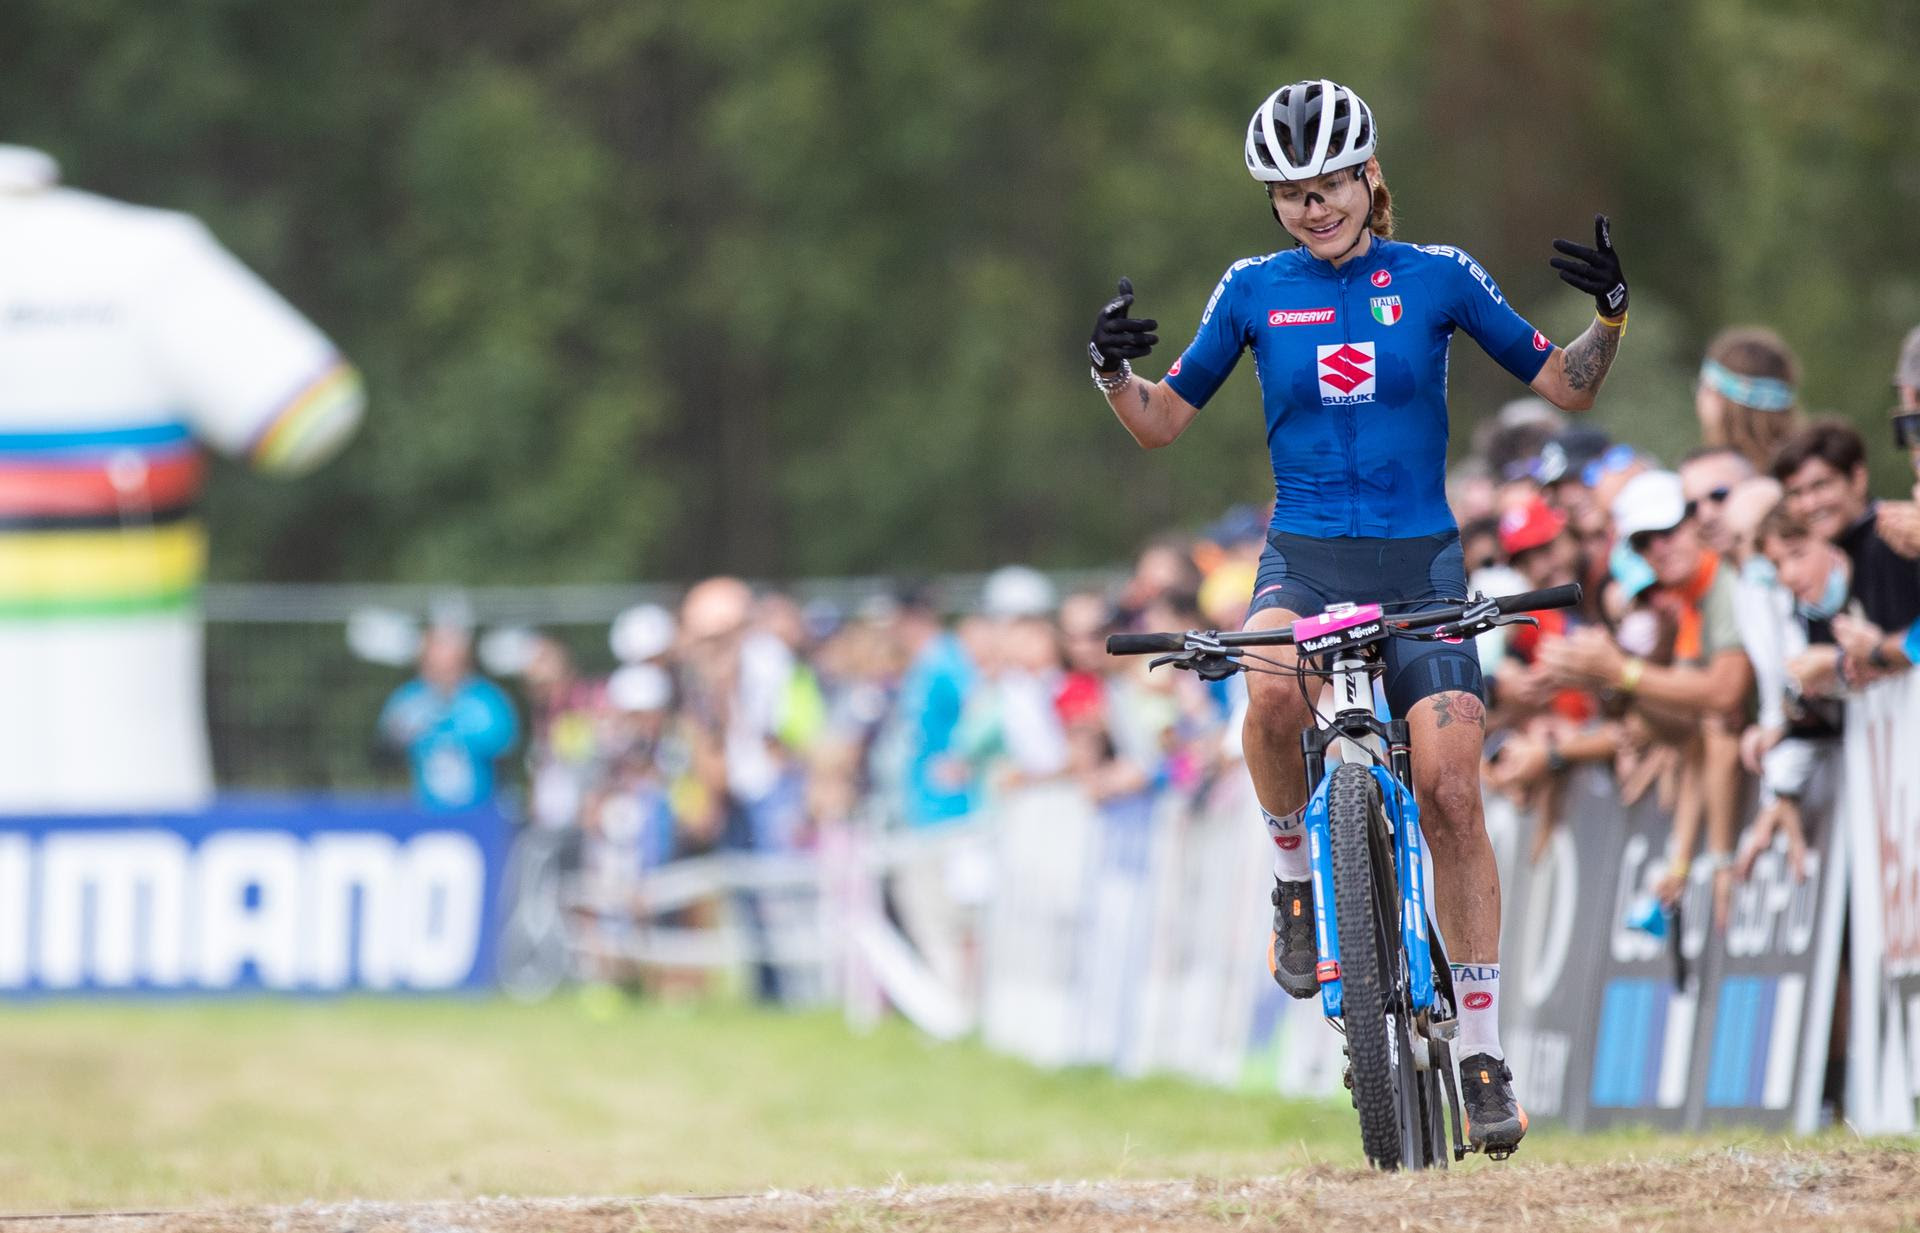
{"type": "Point", "coordinates": [1214, 665]}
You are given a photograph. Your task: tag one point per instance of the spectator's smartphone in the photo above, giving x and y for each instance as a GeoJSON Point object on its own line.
{"type": "Point", "coordinates": [1497, 744]}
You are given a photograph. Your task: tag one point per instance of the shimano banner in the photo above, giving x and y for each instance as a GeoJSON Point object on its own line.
{"type": "Point", "coordinates": [282, 894]}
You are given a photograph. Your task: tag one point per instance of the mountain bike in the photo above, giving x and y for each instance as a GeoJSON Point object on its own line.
{"type": "Point", "coordinates": [1384, 978]}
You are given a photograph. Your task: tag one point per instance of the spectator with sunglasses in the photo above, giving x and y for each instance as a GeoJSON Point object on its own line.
{"type": "Point", "coordinates": [1710, 673]}
{"type": "Point", "coordinates": [1708, 475]}
{"type": "Point", "coordinates": [1900, 521]}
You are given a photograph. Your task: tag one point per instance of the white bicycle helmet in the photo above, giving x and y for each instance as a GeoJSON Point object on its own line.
{"type": "Point", "coordinates": [1291, 136]}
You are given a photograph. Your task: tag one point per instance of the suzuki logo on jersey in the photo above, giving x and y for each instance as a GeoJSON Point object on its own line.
{"type": "Point", "coordinates": [1301, 316]}
{"type": "Point", "coordinates": [1346, 373]}
{"type": "Point", "coordinates": [1381, 278]}
{"type": "Point", "coordinates": [1386, 308]}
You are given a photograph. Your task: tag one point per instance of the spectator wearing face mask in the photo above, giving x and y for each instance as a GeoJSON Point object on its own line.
{"type": "Point", "coordinates": [1823, 470]}
{"type": "Point", "coordinates": [1798, 680]}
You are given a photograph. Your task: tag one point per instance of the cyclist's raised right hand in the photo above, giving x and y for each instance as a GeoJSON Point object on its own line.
{"type": "Point", "coordinates": [1117, 337]}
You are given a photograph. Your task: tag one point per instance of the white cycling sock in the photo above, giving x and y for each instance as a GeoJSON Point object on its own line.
{"type": "Point", "coordinates": [1290, 860]}
{"type": "Point", "coordinates": [1476, 990]}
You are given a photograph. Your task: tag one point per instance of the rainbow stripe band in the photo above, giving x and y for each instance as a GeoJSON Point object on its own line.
{"type": "Point", "coordinates": [101, 573]}
{"type": "Point", "coordinates": [305, 414]}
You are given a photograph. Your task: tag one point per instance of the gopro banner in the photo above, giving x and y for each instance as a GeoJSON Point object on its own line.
{"type": "Point", "coordinates": [1775, 965]}
{"type": "Point", "coordinates": [1557, 910]}
{"type": "Point", "coordinates": [274, 894]}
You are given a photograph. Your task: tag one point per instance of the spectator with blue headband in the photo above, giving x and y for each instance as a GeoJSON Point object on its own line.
{"type": "Point", "coordinates": [1749, 393]}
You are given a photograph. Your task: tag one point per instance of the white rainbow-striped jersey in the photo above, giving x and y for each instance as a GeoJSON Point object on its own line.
{"type": "Point", "coordinates": [131, 344]}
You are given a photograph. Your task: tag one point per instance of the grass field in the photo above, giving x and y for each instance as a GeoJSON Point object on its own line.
{"type": "Point", "coordinates": [136, 1105]}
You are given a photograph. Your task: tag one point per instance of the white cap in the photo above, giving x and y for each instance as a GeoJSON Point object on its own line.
{"type": "Point", "coordinates": [1017, 591]}
{"type": "Point", "coordinates": [24, 170]}
{"type": "Point", "coordinates": [639, 687]}
{"type": "Point", "coordinates": [641, 633]}
{"type": "Point", "coordinates": [1651, 501]}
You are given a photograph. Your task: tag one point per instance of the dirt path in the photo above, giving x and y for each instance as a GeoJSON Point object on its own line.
{"type": "Point", "coordinates": [1742, 1190]}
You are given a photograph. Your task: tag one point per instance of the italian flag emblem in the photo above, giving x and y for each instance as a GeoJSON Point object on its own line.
{"type": "Point", "coordinates": [1386, 309]}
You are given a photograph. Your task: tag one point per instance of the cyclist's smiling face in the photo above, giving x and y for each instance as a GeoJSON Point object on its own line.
{"type": "Point", "coordinates": [1324, 213]}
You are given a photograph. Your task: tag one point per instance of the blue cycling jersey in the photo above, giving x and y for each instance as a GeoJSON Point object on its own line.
{"type": "Point", "coordinates": [1353, 371]}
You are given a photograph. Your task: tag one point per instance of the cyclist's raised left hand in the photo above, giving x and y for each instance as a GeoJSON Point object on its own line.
{"type": "Point", "coordinates": [1595, 270]}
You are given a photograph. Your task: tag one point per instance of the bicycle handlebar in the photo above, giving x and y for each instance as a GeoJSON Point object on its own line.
{"type": "Point", "coordinates": [1144, 644]}
{"type": "Point", "coordinates": [1564, 596]}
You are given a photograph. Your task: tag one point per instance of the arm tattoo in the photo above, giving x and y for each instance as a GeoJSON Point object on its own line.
{"type": "Point", "coordinates": [1589, 356]}
{"type": "Point", "coordinates": [1466, 708]}
{"type": "Point", "coordinates": [1142, 387]}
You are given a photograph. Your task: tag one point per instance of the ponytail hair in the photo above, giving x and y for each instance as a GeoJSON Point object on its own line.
{"type": "Point", "coordinates": [1382, 220]}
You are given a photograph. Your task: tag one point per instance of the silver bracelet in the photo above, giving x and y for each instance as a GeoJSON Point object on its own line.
{"type": "Point", "coordinates": [1113, 382]}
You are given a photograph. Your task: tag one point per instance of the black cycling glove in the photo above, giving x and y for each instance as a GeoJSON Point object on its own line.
{"type": "Point", "coordinates": [1596, 270]}
{"type": "Point", "coordinates": [1117, 337]}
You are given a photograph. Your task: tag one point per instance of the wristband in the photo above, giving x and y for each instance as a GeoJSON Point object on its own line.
{"type": "Point", "coordinates": [1630, 674]}
{"type": "Point", "coordinates": [1115, 381]}
{"type": "Point", "coordinates": [1621, 324]}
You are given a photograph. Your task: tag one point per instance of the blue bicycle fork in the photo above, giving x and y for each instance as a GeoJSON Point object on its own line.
{"type": "Point", "coordinates": [1403, 813]}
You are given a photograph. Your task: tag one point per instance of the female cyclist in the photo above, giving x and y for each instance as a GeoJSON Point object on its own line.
{"type": "Point", "coordinates": [1349, 332]}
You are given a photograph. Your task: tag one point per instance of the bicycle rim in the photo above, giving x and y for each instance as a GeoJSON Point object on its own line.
{"type": "Point", "coordinates": [1376, 1043]}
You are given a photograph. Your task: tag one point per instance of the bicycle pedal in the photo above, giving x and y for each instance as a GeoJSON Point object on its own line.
{"type": "Point", "coordinates": [1499, 1153]}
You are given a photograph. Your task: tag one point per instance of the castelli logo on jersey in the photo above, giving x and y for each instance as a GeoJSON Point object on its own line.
{"type": "Point", "coordinates": [1286, 843]}
{"type": "Point", "coordinates": [1301, 316]}
{"type": "Point", "coordinates": [1541, 342]}
{"type": "Point", "coordinates": [1346, 373]}
{"type": "Point", "coordinates": [1175, 370]}
{"type": "Point", "coordinates": [1478, 1001]}
{"type": "Point", "coordinates": [1381, 278]}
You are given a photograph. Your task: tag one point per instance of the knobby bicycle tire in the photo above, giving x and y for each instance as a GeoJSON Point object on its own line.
{"type": "Point", "coordinates": [1366, 916]}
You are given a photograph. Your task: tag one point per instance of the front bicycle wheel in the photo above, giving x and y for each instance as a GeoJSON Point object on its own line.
{"type": "Point", "coordinates": [1386, 1088]}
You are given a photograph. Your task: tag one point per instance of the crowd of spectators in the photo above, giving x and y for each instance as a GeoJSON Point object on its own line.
{"type": "Point", "coordinates": [1731, 599]}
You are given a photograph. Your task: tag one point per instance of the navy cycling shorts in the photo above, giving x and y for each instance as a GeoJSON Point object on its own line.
{"type": "Point", "coordinates": [1304, 575]}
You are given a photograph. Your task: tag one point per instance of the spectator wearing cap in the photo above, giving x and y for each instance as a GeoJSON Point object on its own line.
{"type": "Point", "coordinates": [1710, 676]}
{"type": "Point", "coordinates": [1011, 720]}
{"type": "Point", "coordinates": [1748, 392]}
{"type": "Point", "coordinates": [1708, 475]}
{"type": "Point", "coordinates": [1550, 725]}
{"type": "Point", "coordinates": [1823, 470]}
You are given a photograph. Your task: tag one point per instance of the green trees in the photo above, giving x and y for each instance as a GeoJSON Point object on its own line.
{"type": "Point", "coordinates": [649, 290]}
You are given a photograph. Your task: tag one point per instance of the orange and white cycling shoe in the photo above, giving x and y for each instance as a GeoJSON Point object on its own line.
{"type": "Point", "coordinates": [1495, 1121]}
{"type": "Point", "coordinates": [1293, 952]}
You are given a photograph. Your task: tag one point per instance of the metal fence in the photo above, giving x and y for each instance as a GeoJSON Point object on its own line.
{"type": "Point", "coordinates": [290, 706]}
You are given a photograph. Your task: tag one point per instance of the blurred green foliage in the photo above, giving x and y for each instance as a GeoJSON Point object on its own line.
{"type": "Point", "coordinates": [645, 290]}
